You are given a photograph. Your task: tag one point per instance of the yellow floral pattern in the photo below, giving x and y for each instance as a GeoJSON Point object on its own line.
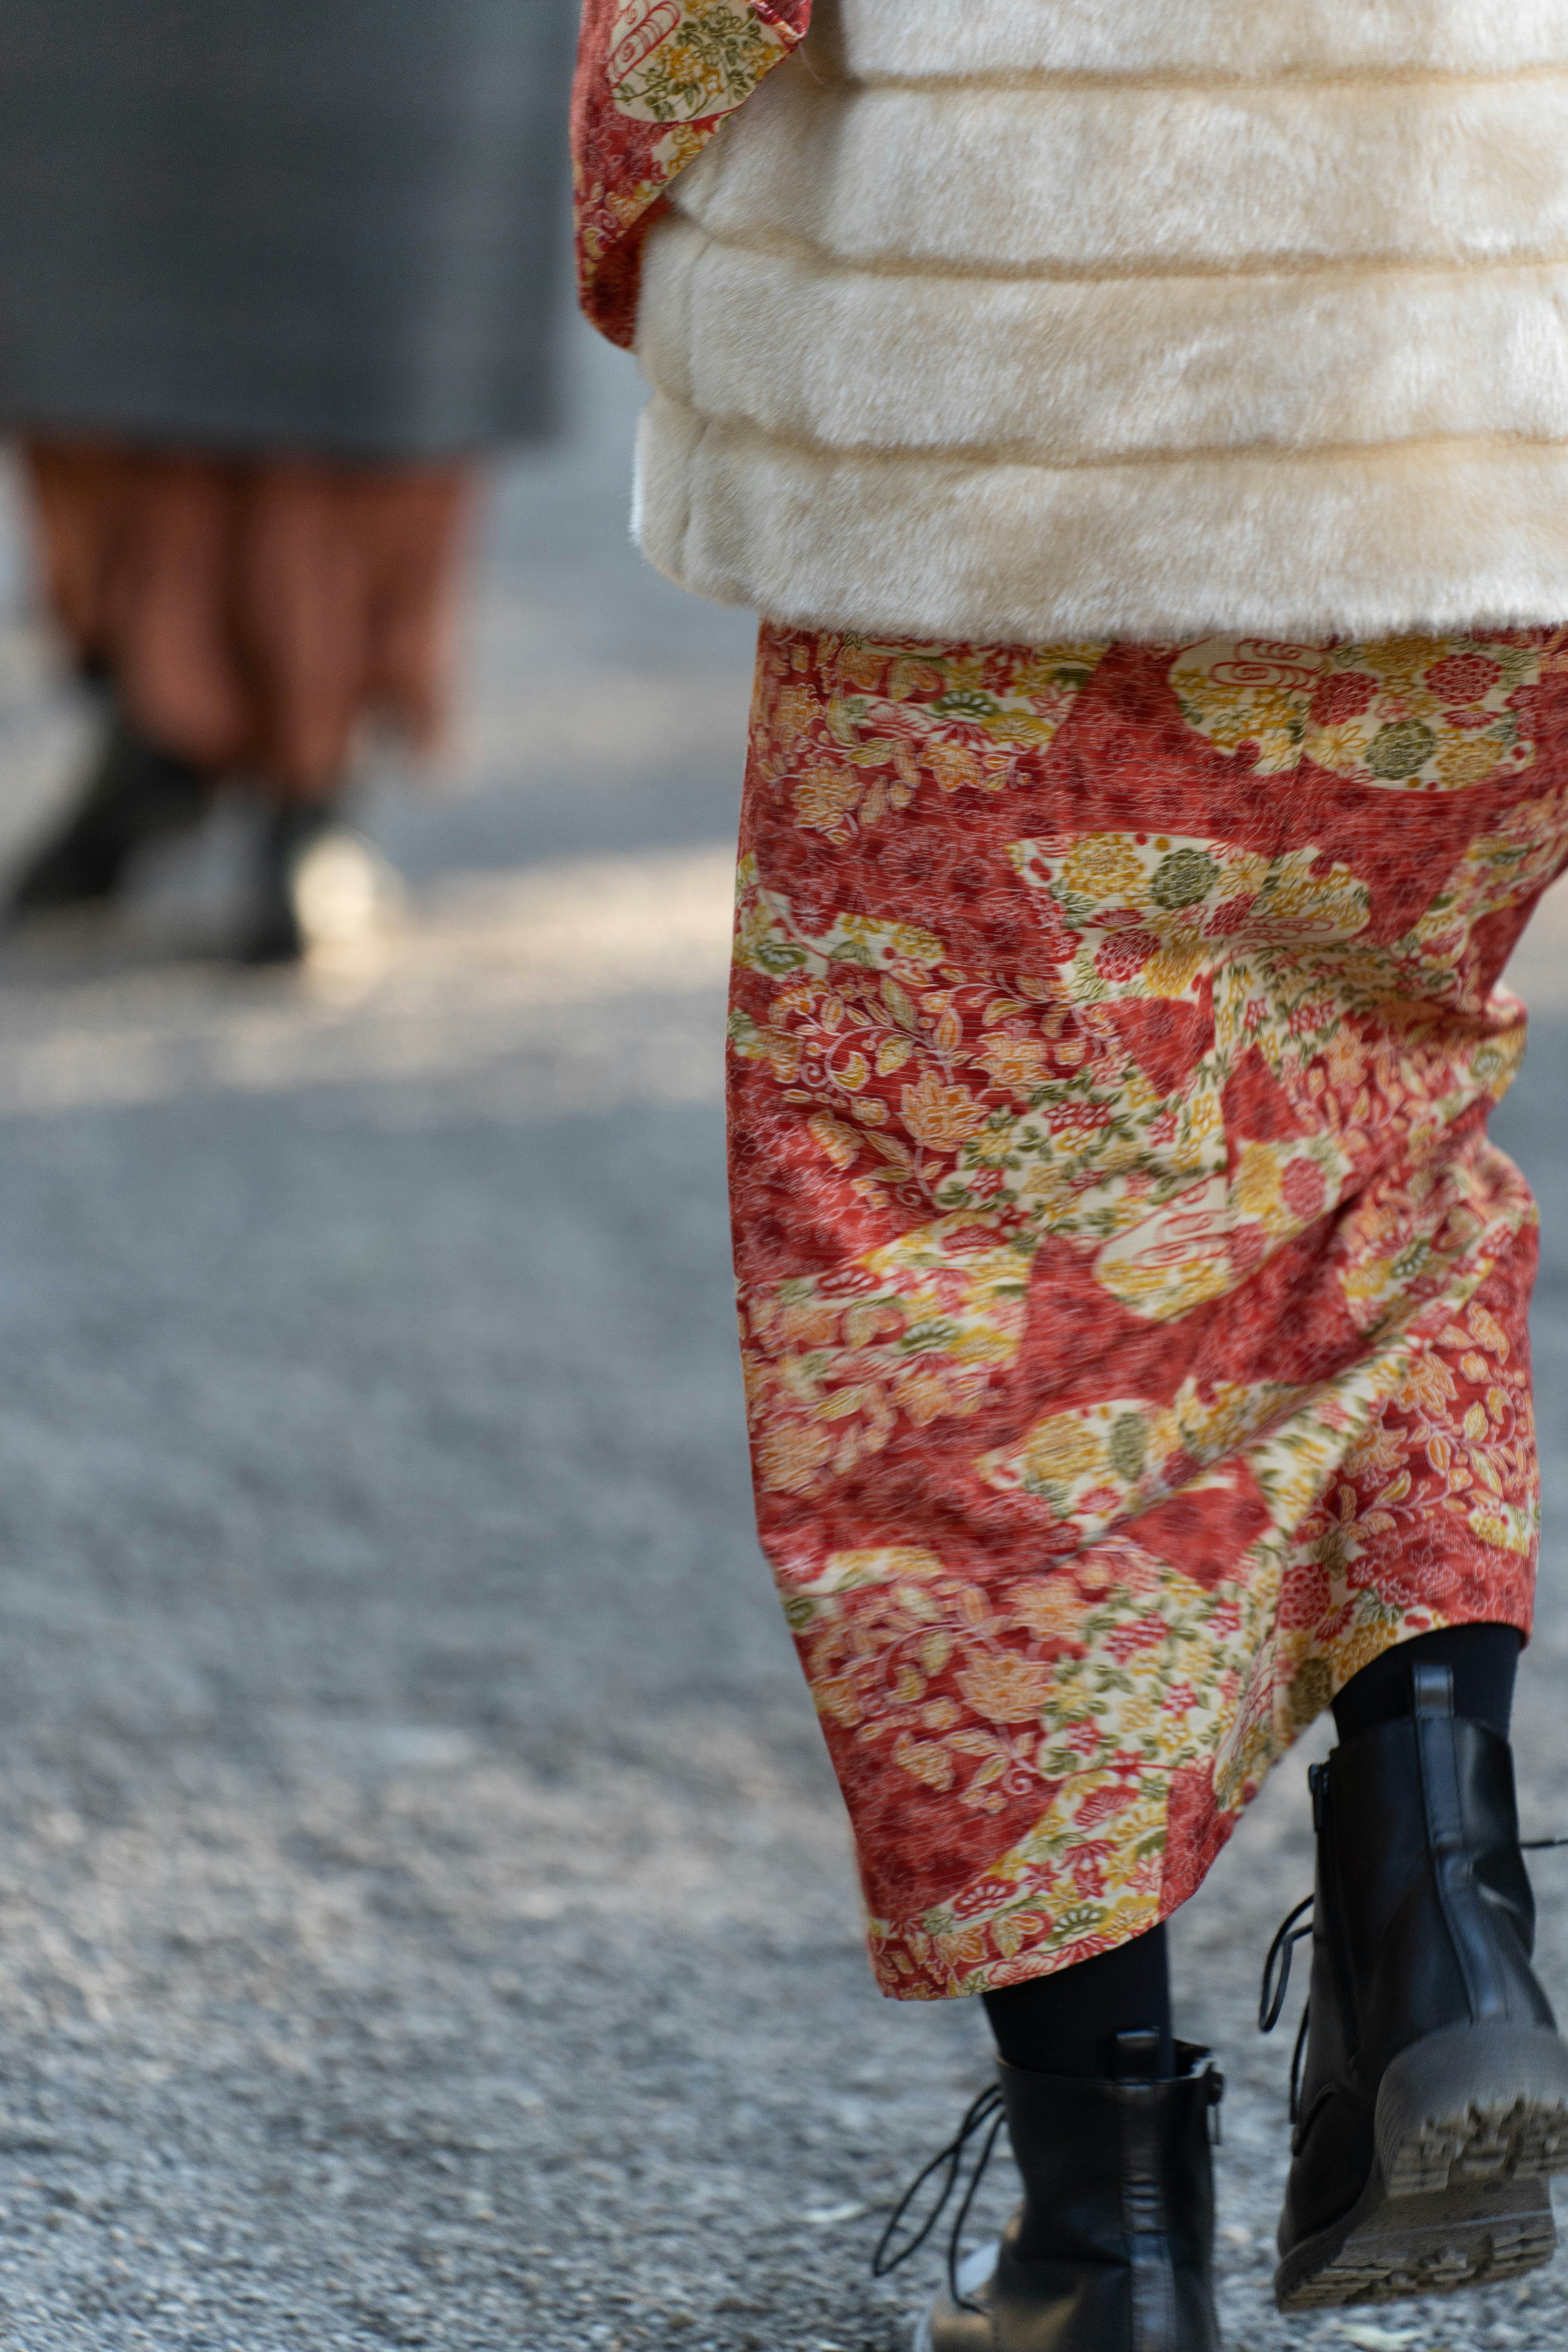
{"type": "Point", "coordinates": [681, 60]}
{"type": "Point", "coordinates": [1411, 713]}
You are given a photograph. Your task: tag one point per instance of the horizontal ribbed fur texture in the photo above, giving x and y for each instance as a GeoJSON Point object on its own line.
{"type": "Point", "coordinates": [1027, 326]}
{"type": "Point", "coordinates": [1250, 39]}
{"type": "Point", "coordinates": [1099, 181]}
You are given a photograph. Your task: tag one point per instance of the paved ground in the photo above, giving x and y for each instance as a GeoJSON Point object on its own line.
{"type": "Point", "coordinates": [425, 1913]}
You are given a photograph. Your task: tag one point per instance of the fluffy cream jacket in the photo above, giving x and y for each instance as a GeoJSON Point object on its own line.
{"type": "Point", "coordinates": [1027, 318]}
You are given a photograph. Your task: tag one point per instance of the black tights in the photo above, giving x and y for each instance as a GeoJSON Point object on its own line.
{"type": "Point", "coordinates": [1066, 2023]}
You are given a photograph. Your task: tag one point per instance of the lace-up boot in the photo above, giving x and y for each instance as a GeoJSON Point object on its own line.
{"type": "Point", "coordinates": [1433, 2097]}
{"type": "Point", "coordinates": [1113, 2249]}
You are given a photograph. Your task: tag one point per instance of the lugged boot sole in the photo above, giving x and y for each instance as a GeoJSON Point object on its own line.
{"type": "Point", "coordinates": [1387, 2248]}
{"type": "Point", "coordinates": [1471, 2124]}
{"type": "Point", "coordinates": [1474, 2105]}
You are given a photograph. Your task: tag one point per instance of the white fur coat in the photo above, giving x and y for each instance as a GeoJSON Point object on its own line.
{"type": "Point", "coordinates": [1020, 319]}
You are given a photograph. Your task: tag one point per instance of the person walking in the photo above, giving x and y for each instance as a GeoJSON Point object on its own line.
{"type": "Point", "coordinates": [269, 281]}
{"type": "Point", "coordinates": [1144, 433]}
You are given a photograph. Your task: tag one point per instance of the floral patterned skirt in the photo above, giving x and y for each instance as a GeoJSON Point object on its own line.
{"type": "Point", "coordinates": [1133, 1308]}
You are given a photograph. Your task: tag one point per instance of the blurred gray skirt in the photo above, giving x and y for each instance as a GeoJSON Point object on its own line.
{"type": "Point", "coordinates": [329, 225]}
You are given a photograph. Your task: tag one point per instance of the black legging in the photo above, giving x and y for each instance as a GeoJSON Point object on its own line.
{"type": "Point", "coordinates": [1064, 2024]}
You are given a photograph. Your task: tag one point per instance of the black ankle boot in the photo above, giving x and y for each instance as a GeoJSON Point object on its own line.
{"type": "Point", "coordinates": [1433, 2097]}
{"type": "Point", "coordinates": [1113, 2249]}
{"type": "Point", "coordinates": [137, 795]}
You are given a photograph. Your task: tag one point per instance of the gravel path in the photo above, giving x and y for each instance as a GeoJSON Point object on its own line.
{"type": "Point", "coordinates": [424, 1911]}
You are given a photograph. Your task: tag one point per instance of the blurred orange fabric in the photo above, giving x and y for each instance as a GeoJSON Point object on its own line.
{"type": "Point", "coordinates": [251, 611]}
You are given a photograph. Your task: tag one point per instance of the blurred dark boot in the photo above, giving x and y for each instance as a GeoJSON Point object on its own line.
{"type": "Point", "coordinates": [319, 886]}
{"type": "Point", "coordinates": [1112, 2248]}
{"type": "Point", "coordinates": [137, 795]}
{"type": "Point", "coordinates": [292, 829]}
{"type": "Point", "coordinates": [1432, 2103]}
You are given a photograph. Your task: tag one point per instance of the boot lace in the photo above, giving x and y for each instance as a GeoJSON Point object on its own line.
{"type": "Point", "coordinates": [1293, 1929]}
{"type": "Point", "coordinates": [982, 2121]}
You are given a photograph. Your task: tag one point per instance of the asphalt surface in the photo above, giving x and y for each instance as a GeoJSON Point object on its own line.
{"type": "Point", "coordinates": [424, 1912]}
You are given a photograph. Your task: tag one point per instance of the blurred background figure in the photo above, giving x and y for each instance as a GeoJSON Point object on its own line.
{"type": "Point", "coordinates": [270, 280]}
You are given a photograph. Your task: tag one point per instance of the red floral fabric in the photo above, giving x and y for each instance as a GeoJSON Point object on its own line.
{"type": "Point", "coordinates": [655, 80]}
{"type": "Point", "coordinates": [1133, 1308]}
